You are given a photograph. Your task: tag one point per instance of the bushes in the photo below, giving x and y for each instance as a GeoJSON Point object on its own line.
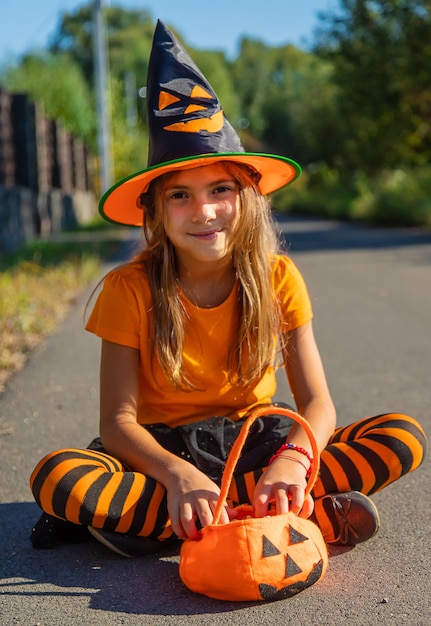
{"type": "Point", "coordinates": [397, 198]}
{"type": "Point", "coordinates": [394, 198]}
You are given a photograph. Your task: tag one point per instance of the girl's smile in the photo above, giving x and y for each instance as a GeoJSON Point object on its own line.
{"type": "Point", "coordinates": [206, 235]}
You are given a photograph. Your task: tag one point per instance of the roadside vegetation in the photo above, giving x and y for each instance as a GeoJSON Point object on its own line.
{"type": "Point", "coordinates": [38, 284]}
{"type": "Point", "coordinates": [394, 198]}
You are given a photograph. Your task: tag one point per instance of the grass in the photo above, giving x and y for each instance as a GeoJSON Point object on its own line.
{"type": "Point", "coordinates": [38, 284]}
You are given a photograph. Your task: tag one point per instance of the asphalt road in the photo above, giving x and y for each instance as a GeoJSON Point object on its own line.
{"type": "Point", "coordinates": [371, 292]}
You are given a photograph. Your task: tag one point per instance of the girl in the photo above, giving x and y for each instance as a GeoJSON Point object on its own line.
{"type": "Point", "coordinates": [189, 333]}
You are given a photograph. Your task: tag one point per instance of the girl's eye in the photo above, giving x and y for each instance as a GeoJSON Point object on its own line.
{"type": "Point", "coordinates": [177, 195]}
{"type": "Point", "coordinates": [223, 189]}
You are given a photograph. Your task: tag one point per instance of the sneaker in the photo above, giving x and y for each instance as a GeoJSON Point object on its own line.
{"type": "Point", "coordinates": [130, 546]}
{"type": "Point", "coordinates": [346, 519]}
{"type": "Point", "coordinates": [49, 531]}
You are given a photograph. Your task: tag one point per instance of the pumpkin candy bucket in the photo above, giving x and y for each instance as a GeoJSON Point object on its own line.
{"type": "Point", "coordinates": [268, 558]}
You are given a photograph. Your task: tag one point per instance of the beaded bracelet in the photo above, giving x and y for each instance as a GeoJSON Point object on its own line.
{"type": "Point", "coordinates": [292, 446]}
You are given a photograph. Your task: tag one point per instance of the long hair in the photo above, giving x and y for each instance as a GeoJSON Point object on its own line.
{"type": "Point", "coordinates": [254, 243]}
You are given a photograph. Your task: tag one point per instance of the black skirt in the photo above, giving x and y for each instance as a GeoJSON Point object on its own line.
{"type": "Point", "coordinates": [207, 443]}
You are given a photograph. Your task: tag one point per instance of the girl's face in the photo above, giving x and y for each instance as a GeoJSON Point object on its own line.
{"type": "Point", "coordinates": [200, 207]}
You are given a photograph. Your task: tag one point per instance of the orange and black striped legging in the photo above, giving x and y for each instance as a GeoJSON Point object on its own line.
{"type": "Point", "coordinates": [94, 489]}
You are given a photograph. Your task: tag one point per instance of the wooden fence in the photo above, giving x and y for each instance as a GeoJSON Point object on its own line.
{"type": "Point", "coordinates": [44, 174]}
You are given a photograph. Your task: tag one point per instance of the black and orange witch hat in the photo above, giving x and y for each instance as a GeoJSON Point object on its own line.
{"type": "Point", "coordinates": [187, 128]}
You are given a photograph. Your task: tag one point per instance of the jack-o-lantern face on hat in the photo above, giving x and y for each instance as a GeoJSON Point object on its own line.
{"type": "Point", "coordinates": [192, 112]}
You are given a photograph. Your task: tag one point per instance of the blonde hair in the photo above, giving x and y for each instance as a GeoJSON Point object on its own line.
{"type": "Point", "coordinates": [255, 242]}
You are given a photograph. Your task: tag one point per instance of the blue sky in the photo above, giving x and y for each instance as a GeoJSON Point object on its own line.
{"type": "Point", "coordinates": [27, 24]}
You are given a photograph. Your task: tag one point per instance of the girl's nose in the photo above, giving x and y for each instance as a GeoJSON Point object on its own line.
{"type": "Point", "coordinates": [203, 210]}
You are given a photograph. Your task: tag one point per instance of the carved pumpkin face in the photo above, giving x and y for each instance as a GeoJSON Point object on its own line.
{"type": "Point", "coordinates": [176, 103]}
{"type": "Point", "coordinates": [270, 558]}
{"type": "Point", "coordinates": [292, 559]}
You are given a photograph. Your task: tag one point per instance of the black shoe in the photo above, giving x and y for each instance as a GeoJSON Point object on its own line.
{"type": "Point", "coordinates": [49, 531]}
{"type": "Point", "coordinates": [346, 519]}
{"type": "Point", "coordinates": [130, 546]}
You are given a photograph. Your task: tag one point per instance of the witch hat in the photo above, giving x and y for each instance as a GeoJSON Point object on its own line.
{"type": "Point", "coordinates": [187, 128]}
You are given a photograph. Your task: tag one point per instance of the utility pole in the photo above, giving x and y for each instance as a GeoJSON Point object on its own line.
{"type": "Point", "coordinates": [103, 100]}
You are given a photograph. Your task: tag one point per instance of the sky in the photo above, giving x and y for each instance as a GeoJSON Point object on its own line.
{"type": "Point", "coordinates": [27, 24]}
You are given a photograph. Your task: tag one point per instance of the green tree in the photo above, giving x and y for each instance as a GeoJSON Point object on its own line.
{"type": "Point", "coordinates": [299, 108]}
{"type": "Point", "coordinates": [58, 83]}
{"type": "Point", "coordinates": [251, 71]}
{"type": "Point", "coordinates": [129, 35]}
{"type": "Point", "coordinates": [381, 53]}
{"type": "Point", "coordinates": [287, 98]}
{"type": "Point", "coordinates": [129, 140]}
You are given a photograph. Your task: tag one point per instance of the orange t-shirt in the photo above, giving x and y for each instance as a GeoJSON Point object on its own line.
{"type": "Point", "coordinates": [122, 315]}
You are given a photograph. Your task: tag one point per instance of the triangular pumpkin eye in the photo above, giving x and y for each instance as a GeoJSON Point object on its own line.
{"type": "Point", "coordinates": [269, 549]}
{"type": "Point", "coordinates": [200, 92]}
{"type": "Point", "coordinates": [292, 568]}
{"type": "Point", "coordinates": [165, 99]}
{"type": "Point", "coordinates": [295, 536]}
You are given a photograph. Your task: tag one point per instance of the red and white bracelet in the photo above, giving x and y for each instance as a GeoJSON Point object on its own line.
{"type": "Point", "coordinates": [292, 446]}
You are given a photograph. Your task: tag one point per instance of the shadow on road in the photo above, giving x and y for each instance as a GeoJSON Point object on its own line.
{"type": "Point", "coordinates": [146, 586]}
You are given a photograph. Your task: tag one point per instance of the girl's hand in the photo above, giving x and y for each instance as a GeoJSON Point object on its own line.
{"type": "Point", "coordinates": [192, 497]}
{"type": "Point", "coordinates": [283, 483]}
